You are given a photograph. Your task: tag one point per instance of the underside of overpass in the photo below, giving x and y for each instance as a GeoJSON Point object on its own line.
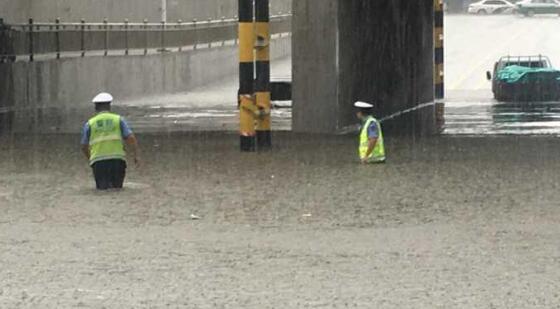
{"type": "Point", "coordinates": [379, 51]}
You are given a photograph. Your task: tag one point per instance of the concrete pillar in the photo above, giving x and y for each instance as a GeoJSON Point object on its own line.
{"type": "Point", "coordinates": [378, 51]}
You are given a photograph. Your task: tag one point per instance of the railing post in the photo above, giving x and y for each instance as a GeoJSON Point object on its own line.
{"type": "Point", "coordinates": [126, 37]}
{"type": "Point", "coordinates": [236, 40]}
{"type": "Point", "coordinates": [3, 41]}
{"type": "Point", "coordinates": [179, 22]}
{"type": "Point", "coordinates": [31, 40]}
{"type": "Point", "coordinates": [223, 28]}
{"type": "Point", "coordinates": [57, 38]}
{"type": "Point", "coordinates": [163, 36]}
{"type": "Point", "coordinates": [106, 39]}
{"type": "Point", "coordinates": [209, 41]}
{"type": "Point", "coordinates": [83, 37]}
{"type": "Point", "coordinates": [195, 33]}
{"type": "Point", "coordinates": [59, 27]}
{"type": "Point", "coordinates": [146, 37]}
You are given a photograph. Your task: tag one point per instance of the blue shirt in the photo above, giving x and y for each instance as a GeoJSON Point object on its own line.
{"type": "Point", "coordinates": [86, 131]}
{"type": "Point", "coordinates": [372, 130]}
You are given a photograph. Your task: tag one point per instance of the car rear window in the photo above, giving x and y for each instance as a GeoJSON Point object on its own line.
{"type": "Point", "coordinates": [531, 64]}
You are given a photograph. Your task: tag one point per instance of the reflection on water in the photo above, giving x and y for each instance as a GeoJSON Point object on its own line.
{"type": "Point", "coordinates": [486, 118]}
{"type": "Point", "coordinates": [196, 119]}
{"type": "Point", "coordinates": [141, 118]}
{"type": "Point", "coordinates": [462, 117]}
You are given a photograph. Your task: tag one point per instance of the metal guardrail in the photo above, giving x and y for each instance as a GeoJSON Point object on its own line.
{"type": "Point", "coordinates": [31, 39]}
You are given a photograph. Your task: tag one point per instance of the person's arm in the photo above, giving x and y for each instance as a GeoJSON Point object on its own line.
{"type": "Point", "coordinates": [85, 141]}
{"type": "Point", "coordinates": [86, 152]}
{"type": "Point", "coordinates": [131, 141]}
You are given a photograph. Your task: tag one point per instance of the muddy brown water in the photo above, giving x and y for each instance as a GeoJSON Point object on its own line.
{"type": "Point", "coordinates": [448, 222]}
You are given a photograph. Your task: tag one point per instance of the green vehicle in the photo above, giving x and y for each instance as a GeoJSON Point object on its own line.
{"type": "Point", "coordinates": [525, 79]}
{"type": "Point", "coordinates": [534, 7]}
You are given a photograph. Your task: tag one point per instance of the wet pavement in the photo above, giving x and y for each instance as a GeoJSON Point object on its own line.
{"type": "Point", "coordinates": [180, 119]}
{"type": "Point", "coordinates": [468, 116]}
{"type": "Point", "coordinates": [473, 44]}
{"type": "Point", "coordinates": [480, 114]}
{"type": "Point", "coordinates": [492, 118]}
{"type": "Point", "coordinates": [209, 108]}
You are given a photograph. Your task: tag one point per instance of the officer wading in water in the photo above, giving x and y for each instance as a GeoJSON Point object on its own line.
{"type": "Point", "coordinates": [372, 147]}
{"type": "Point", "coordinates": [102, 144]}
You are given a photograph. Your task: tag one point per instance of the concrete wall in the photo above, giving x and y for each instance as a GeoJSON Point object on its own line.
{"type": "Point", "coordinates": [66, 86]}
{"type": "Point", "coordinates": [315, 66]}
{"type": "Point", "coordinates": [118, 10]}
{"type": "Point", "coordinates": [14, 10]}
{"type": "Point", "coordinates": [371, 50]}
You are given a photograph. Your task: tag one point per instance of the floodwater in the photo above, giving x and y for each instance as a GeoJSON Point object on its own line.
{"type": "Point", "coordinates": [450, 221]}
{"type": "Point", "coordinates": [209, 108]}
{"type": "Point", "coordinates": [492, 118]}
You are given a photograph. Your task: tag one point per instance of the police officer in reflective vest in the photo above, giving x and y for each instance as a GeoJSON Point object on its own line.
{"type": "Point", "coordinates": [372, 147]}
{"type": "Point", "coordinates": [103, 138]}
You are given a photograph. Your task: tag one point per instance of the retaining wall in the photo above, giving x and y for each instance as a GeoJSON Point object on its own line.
{"type": "Point", "coordinates": [28, 88]}
{"type": "Point", "coordinates": [19, 11]}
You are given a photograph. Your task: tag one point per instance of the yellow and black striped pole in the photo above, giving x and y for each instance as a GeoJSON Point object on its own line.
{"type": "Point", "coordinates": [247, 106]}
{"type": "Point", "coordinates": [439, 51]}
{"type": "Point", "coordinates": [262, 85]}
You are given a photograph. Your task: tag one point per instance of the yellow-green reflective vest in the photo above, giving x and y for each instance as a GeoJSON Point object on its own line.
{"type": "Point", "coordinates": [105, 140]}
{"type": "Point", "coordinates": [378, 153]}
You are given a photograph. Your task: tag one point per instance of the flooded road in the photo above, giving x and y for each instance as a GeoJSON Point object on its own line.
{"type": "Point", "coordinates": [473, 44]}
{"type": "Point", "coordinates": [209, 108]}
{"type": "Point", "coordinates": [450, 221]}
{"type": "Point", "coordinates": [493, 118]}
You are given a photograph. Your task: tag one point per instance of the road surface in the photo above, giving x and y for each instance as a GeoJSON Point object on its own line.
{"type": "Point", "coordinates": [473, 44]}
{"type": "Point", "coordinates": [209, 108]}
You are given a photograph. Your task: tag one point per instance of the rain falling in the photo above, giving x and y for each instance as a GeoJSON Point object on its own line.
{"type": "Point", "coordinates": [279, 154]}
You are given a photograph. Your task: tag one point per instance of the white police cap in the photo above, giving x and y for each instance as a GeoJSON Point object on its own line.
{"type": "Point", "coordinates": [361, 104]}
{"type": "Point", "coordinates": [103, 97]}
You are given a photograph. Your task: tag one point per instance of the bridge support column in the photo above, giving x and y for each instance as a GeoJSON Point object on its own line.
{"type": "Point", "coordinates": [247, 106]}
{"type": "Point", "coordinates": [439, 51]}
{"type": "Point", "coordinates": [262, 65]}
{"type": "Point", "coordinates": [379, 51]}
